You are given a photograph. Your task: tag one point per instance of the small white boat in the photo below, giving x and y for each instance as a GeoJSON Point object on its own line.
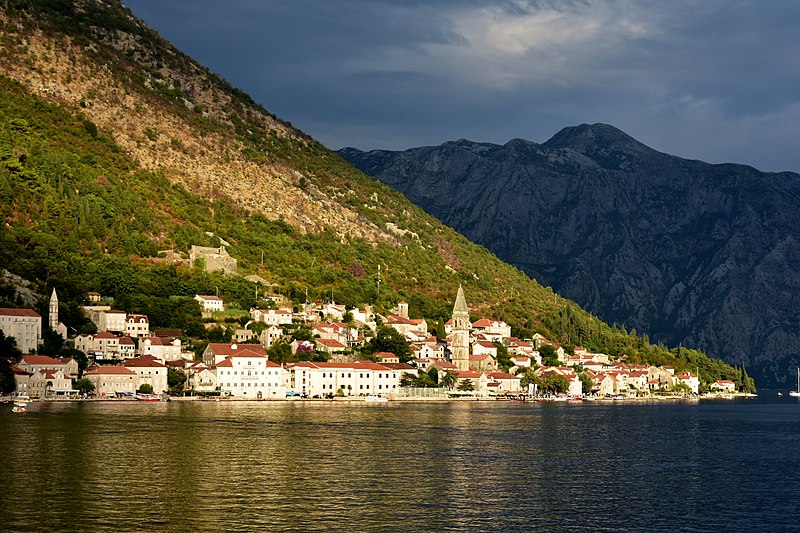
{"type": "Point", "coordinates": [376, 398]}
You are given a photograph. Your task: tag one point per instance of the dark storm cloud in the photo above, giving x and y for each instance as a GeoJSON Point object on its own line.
{"type": "Point", "coordinates": [711, 79]}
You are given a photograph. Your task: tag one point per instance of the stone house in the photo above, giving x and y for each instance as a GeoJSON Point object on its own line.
{"type": "Point", "coordinates": [150, 372]}
{"type": "Point", "coordinates": [25, 325]}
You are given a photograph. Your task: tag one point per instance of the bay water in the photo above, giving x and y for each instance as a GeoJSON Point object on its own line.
{"type": "Point", "coordinates": [347, 466]}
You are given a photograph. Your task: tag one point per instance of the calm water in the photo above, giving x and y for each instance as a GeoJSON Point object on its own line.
{"type": "Point", "coordinates": [181, 466]}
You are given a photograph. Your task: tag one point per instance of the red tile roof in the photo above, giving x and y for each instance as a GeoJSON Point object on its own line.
{"type": "Point", "coordinates": [331, 343]}
{"type": "Point", "coordinates": [8, 311]}
{"type": "Point", "coordinates": [145, 361]}
{"type": "Point", "coordinates": [109, 370]}
{"type": "Point", "coordinates": [17, 370]}
{"type": "Point", "coordinates": [39, 360]}
{"type": "Point", "coordinates": [220, 348]}
{"type": "Point", "coordinates": [502, 375]}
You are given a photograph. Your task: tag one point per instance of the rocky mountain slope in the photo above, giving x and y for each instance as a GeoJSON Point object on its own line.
{"type": "Point", "coordinates": [694, 253]}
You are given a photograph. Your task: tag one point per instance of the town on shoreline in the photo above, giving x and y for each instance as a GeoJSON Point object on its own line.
{"type": "Point", "coordinates": [322, 350]}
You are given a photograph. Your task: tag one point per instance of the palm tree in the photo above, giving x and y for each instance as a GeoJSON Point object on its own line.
{"type": "Point", "coordinates": [448, 380]}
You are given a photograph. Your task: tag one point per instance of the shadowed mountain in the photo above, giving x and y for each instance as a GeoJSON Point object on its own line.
{"type": "Point", "coordinates": [690, 252]}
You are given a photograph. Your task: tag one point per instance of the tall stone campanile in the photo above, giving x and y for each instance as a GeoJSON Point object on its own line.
{"type": "Point", "coordinates": [55, 325]}
{"type": "Point", "coordinates": [459, 336]}
{"type": "Point", "coordinates": [54, 311]}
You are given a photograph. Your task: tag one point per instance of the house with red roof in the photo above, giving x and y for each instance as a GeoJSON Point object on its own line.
{"type": "Point", "coordinates": [273, 317]}
{"type": "Point", "coordinates": [200, 377]}
{"type": "Point", "coordinates": [151, 371]}
{"type": "Point", "coordinates": [112, 380]}
{"type": "Point", "coordinates": [484, 348]}
{"type": "Point", "coordinates": [163, 348]}
{"type": "Point", "coordinates": [25, 325]}
{"type": "Point", "coordinates": [479, 380]}
{"type": "Point", "coordinates": [349, 379]}
{"type": "Point", "coordinates": [386, 357]}
{"type": "Point", "coordinates": [32, 363]}
{"type": "Point", "coordinates": [506, 382]}
{"type": "Point", "coordinates": [417, 326]}
{"type": "Point", "coordinates": [482, 362]}
{"type": "Point", "coordinates": [42, 382]}
{"type": "Point", "coordinates": [216, 352]}
{"type": "Point", "coordinates": [690, 380]}
{"type": "Point", "coordinates": [137, 326]}
{"type": "Point", "coordinates": [494, 330]}
{"type": "Point", "coordinates": [249, 375]}
{"type": "Point", "coordinates": [102, 345]}
{"type": "Point", "coordinates": [330, 346]}
{"type": "Point", "coordinates": [210, 304]}
{"type": "Point", "coordinates": [723, 385]}
{"type": "Point", "coordinates": [111, 320]}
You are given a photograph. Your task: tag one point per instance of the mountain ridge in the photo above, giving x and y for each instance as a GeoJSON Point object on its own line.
{"type": "Point", "coordinates": [690, 252]}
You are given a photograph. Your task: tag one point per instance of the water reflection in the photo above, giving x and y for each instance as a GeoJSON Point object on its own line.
{"type": "Point", "coordinates": [446, 466]}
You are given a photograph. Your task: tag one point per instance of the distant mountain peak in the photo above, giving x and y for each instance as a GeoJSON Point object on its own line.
{"type": "Point", "coordinates": [592, 136]}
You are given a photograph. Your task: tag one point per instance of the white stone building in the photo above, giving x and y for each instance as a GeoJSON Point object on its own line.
{"type": "Point", "coordinates": [137, 326]}
{"type": "Point", "coordinates": [165, 349]}
{"type": "Point", "coordinates": [25, 325]}
{"type": "Point", "coordinates": [110, 380]}
{"type": "Point", "coordinates": [210, 304]}
{"type": "Point", "coordinates": [352, 379]}
{"type": "Point", "coordinates": [250, 376]}
{"type": "Point", "coordinates": [150, 371]}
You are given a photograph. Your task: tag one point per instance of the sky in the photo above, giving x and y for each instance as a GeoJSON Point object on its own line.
{"type": "Point", "coordinates": [716, 80]}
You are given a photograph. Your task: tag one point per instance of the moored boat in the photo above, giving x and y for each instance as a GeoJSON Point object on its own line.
{"type": "Point", "coordinates": [376, 398]}
{"type": "Point", "coordinates": [147, 397]}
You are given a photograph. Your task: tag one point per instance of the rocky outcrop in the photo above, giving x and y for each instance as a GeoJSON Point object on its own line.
{"type": "Point", "coordinates": [687, 251]}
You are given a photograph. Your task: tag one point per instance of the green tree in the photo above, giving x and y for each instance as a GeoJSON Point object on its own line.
{"type": "Point", "coordinates": [433, 375]}
{"type": "Point", "coordinates": [7, 383]}
{"type": "Point", "coordinates": [84, 385]}
{"type": "Point", "coordinates": [176, 380]}
{"type": "Point", "coordinates": [448, 380]}
{"type": "Point", "coordinates": [8, 347]}
{"type": "Point", "coordinates": [555, 383]}
{"type": "Point", "coordinates": [503, 359]}
{"type": "Point", "coordinates": [79, 356]}
{"type": "Point", "coordinates": [529, 378]}
{"type": "Point", "coordinates": [280, 352]}
{"type": "Point", "coordinates": [145, 388]}
{"type": "Point", "coordinates": [408, 380]}
{"type": "Point", "coordinates": [389, 339]}
{"type": "Point", "coordinates": [466, 385]}
{"type": "Point", "coordinates": [549, 356]}
{"type": "Point", "coordinates": [586, 383]}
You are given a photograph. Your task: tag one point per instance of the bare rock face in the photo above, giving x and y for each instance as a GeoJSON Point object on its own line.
{"type": "Point", "coordinates": [686, 251]}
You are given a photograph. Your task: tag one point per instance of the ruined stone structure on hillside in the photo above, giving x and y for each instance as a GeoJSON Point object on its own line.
{"type": "Point", "coordinates": [215, 259]}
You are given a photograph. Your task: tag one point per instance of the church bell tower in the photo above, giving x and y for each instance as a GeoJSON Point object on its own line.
{"type": "Point", "coordinates": [459, 336]}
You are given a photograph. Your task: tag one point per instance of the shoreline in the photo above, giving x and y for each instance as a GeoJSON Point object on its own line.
{"type": "Point", "coordinates": [362, 399]}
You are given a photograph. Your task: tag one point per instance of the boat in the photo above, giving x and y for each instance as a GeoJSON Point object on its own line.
{"type": "Point", "coordinates": [20, 407]}
{"type": "Point", "coordinates": [376, 398]}
{"type": "Point", "coordinates": [147, 397]}
{"type": "Point", "coordinates": [796, 392]}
